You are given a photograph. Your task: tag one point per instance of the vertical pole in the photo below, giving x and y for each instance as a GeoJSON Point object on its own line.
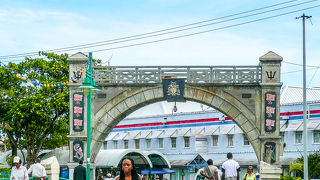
{"type": "Point", "coordinates": [88, 134]}
{"type": "Point", "coordinates": [305, 135]}
{"type": "Point", "coordinates": [305, 139]}
{"type": "Point", "coordinates": [305, 145]}
{"type": "Point", "coordinates": [89, 119]}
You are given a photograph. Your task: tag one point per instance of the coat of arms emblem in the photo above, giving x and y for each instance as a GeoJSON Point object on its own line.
{"type": "Point", "coordinates": [173, 89]}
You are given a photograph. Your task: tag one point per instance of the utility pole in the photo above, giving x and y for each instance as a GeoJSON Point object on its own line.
{"type": "Point", "coordinates": [305, 142]}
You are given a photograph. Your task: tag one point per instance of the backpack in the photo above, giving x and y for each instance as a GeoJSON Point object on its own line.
{"type": "Point", "coordinates": [209, 173]}
{"type": "Point", "coordinates": [245, 177]}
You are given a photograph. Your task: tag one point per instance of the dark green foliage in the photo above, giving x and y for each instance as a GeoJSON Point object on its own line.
{"type": "Point", "coordinates": [287, 177]}
{"type": "Point", "coordinates": [313, 164]}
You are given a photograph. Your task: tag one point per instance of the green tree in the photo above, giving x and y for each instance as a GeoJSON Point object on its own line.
{"type": "Point", "coordinates": [296, 168]}
{"type": "Point", "coordinates": [35, 117]}
{"type": "Point", "coordinates": [10, 90]}
{"type": "Point", "coordinates": [313, 164]}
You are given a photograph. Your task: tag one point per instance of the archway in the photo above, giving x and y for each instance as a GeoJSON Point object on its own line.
{"type": "Point", "coordinates": [249, 95]}
{"type": "Point", "coordinates": [122, 105]}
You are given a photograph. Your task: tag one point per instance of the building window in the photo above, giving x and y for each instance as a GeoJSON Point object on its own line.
{"type": "Point", "coordinates": [173, 142]}
{"type": "Point", "coordinates": [137, 143]}
{"type": "Point", "coordinates": [282, 136]}
{"type": "Point", "coordinates": [186, 142]}
{"type": "Point", "coordinates": [316, 136]}
{"type": "Point", "coordinates": [298, 137]}
{"type": "Point", "coordinates": [230, 139]}
{"type": "Point", "coordinates": [126, 144]}
{"type": "Point", "coordinates": [215, 140]}
{"type": "Point", "coordinates": [246, 141]}
{"type": "Point", "coordinates": [148, 143]}
{"type": "Point", "coordinates": [115, 144]}
{"type": "Point", "coordinates": [160, 143]}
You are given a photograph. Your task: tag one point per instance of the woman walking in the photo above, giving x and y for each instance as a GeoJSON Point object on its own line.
{"type": "Point", "coordinates": [128, 170]}
{"type": "Point", "coordinates": [249, 175]}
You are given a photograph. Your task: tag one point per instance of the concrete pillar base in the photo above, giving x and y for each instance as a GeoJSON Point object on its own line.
{"type": "Point", "coordinates": [269, 172]}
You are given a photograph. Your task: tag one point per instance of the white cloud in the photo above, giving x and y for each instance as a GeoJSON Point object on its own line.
{"type": "Point", "coordinates": [28, 30]}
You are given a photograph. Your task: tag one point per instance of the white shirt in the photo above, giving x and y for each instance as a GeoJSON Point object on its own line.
{"type": "Point", "coordinates": [230, 168]}
{"type": "Point", "coordinates": [37, 170]}
{"type": "Point", "coordinates": [19, 174]}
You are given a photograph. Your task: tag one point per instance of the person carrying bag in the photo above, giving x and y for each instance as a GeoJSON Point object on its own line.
{"type": "Point", "coordinates": [249, 175]}
{"type": "Point", "coordinates": [210, 172]}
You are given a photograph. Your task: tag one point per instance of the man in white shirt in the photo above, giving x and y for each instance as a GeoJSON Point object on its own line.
{"type": "Point", "coordinates": [37, 171]}
{"type": "Point", "coordinates": [230, 169]}
{"type": "Point", "coordinates": [18, 172]}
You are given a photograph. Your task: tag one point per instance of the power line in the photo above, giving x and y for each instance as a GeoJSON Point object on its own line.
{"type": "Point", "coordinates": [313, 75]}
{"type": "Point", "coordinates": [201, 32]}
{"type": "Point", "coordinates": [298, 64]}
{"type": "Point", "coordinates": [300, 70]}
{"type": "Point", "coordinates": [185, 29]}
{"type": "Point", "coordinates": [95, 44]}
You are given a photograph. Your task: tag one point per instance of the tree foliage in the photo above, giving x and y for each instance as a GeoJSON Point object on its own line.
{"type": "Point", "coordinates": [297, 168]}
{"type": "Point", "coordinates": [34, 117]}
{"type": "Point", "coordinates": [313, 164]}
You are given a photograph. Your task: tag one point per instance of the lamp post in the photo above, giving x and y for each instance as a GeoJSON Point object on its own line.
{"type": "Point", "coordinates": [88, 86]}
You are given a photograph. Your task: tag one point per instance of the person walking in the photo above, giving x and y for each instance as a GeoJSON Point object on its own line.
{"type": "Point", "coordinates": [37, 171]}
{"type": "Point", "coordinates": [18, 172]}
{"type": "Point", "coordinates": [257, 176]}
{"type": "Point", "coordinates": [230, 169]}
{"type": "Point", "coordinates": [210, 172]}
{"type": "Point", "coordinates": [108, 177]}
{"type": "Point", "coordinates": [249, 175]}
{"type": "Point", "coordinates": [128, 170]}
{"type": "Point", "coordinates": [79, 172]}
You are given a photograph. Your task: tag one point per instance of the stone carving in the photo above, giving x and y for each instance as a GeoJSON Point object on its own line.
{"type": "Point", "coordinates": [270, 152]}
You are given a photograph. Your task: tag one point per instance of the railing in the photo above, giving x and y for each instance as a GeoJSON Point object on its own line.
{"type": "Point", "coordinates": [113, 75]}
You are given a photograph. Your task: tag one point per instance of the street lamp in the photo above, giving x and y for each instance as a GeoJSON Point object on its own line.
{"type": "Point", "coordinates": [175, 109]}
{"type": "Point", "coordinates": [89, 87]}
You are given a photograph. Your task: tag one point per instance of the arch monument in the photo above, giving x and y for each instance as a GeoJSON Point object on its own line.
{"type": "Point", "coordinates": [249, 95]}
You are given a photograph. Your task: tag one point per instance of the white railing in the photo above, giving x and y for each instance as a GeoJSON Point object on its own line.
{"type": "Point", "coordinates": [113, 75]}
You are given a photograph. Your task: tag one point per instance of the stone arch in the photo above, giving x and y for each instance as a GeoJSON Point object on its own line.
{"type": "Point", "coordinates": [134, 98]}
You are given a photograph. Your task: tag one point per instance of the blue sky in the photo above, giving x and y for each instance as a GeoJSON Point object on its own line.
{"type": "Point", "coordinates": [34, 25]}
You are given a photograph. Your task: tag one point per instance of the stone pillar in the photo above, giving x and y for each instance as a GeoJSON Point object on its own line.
{"type": "Point", "coordinates": [78, 131]}
{"type": "Point", "coordinates": [270, 115]}
{"type": "Point", "coordinates": [52, 167]}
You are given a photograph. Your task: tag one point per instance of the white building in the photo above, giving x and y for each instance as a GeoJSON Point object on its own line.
{"type": "Point", "coordinates": [188, 139]}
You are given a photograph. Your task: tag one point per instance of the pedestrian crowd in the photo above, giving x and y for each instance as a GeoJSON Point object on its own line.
{"type": "Point", "coordinates": [230, 171]}
{"type": "Point", "coordinates": [19, 172]}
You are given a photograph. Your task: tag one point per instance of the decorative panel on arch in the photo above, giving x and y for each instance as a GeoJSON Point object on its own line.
{"type": "Point", "coordinates": [173, 88]}
{"type": "Point", "coordinates": [78, 108]}
{"type": "Point", "coordinates": [269, 152]}
{"type": "Point", "coordinates": [77, 149]}
{"type": "Point", "coordinates": [270, 111]}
